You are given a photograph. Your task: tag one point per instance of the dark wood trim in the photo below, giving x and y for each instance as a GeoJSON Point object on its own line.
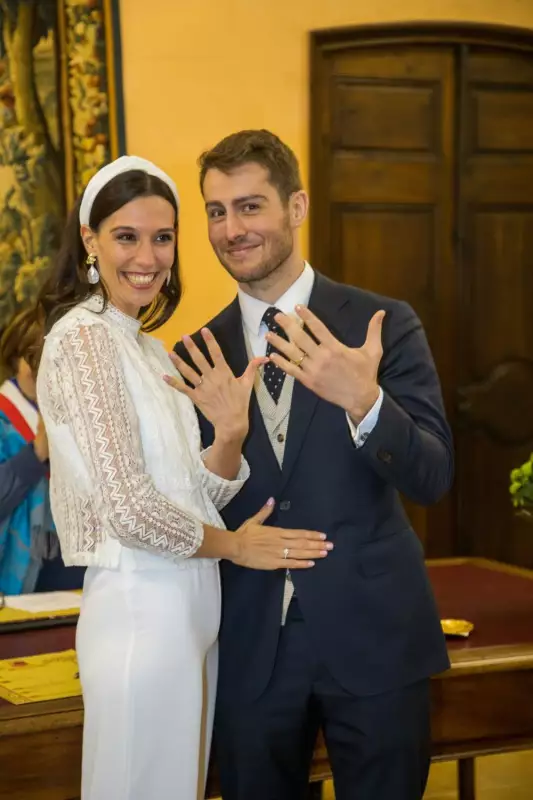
{"type": "Point", "coordinates": [505, 36]}
{"type": "Point", "coordinates": [482, 563]}
{"type": "Point", "coordinates": [498, 658]}
{"type": "Point", "coordinates": [466, 775]}
{"type": "Point", "coordinates": [114, 52]}
{"type": "Point", "coordinates": [496, 747]}
{"type": "Point", "coordinates": [317, 169]}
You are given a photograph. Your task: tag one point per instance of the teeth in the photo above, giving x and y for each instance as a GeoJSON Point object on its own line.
{"type": "Point", "coordinates": [141, 280]}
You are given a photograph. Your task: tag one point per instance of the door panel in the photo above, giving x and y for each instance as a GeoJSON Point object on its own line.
{"type": "Point", "coordinates": [496, 371]}
{"type": "Point", "coordinates": [373, 232]}
{"type": "Point", "coordinates": [383, 200]}
{"type": "Point", "coordinates": [422, 189]}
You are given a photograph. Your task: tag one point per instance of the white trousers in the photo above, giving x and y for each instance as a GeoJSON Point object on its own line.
{"type": "Point", "coordinates": [147, 654]}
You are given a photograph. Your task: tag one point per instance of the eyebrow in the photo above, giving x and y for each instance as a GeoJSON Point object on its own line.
{"type": "Point", "coordinates": [131, 228]}
{"type": "Point", "coordinates": [238, 200]}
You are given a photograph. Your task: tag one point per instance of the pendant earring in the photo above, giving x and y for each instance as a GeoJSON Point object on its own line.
{"type": "Point", "coordinates": [93, 276]}
{"type": "Point", "coordinates": [168, 278]}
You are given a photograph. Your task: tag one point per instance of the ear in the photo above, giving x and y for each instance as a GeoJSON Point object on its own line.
{"type": "Point", "coordinates": [89, 238]}
{"type": "Point", "coordinates": [298, 208]}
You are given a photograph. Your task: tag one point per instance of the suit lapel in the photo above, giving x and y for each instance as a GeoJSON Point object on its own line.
{"type": "Point", "coordinates": [227, 329]}
{"type": "Point", "coordinates": [330, 302]}
{"type": "Point", "coordinates": [331, 305]}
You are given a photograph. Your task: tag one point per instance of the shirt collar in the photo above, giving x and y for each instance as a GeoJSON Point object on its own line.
{"type": "Point", "coordinates": [298, 293]}
{"type": "Point", "coordinates": [127, 324]}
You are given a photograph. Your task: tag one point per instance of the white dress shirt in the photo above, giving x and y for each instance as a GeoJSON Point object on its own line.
{"type": "Point", "coordinates": [252, 311]}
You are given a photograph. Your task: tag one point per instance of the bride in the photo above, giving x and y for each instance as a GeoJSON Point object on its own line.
{"type": "Point", "coordinates": [135, 499]}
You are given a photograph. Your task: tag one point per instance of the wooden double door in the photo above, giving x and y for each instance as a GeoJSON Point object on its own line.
{"type": "Point", "coordinates": [422, 189]}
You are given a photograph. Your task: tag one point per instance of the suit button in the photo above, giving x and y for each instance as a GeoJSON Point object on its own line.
{"type": "Point", "coordinates": [384, 456]}
{"type": "Point", "coordinates": [285, 505]}
{"type": "Point", "coordinates": [280, 437]}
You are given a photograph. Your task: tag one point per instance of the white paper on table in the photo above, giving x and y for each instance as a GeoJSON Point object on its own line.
{"type": "Point", "coordinates": [43, 601]}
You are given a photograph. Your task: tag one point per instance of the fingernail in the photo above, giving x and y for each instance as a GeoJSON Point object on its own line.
{"type": "Point", "coordinates": [329, 546]}
{"type": "Point", "coordinates": [167, 378]}
{"type": "Point", "coordinates": [206, 331]}
{"type": "Point", "coordinates": [186, 338]}
{"type": "Point", "coordinates": [270, 501]}
{"type": "Point", "coordinates": [311, 563]}
{"type": "Point", "coordinates": [323, 536]}
{"type": "Point", "coordinates": [323, 552]}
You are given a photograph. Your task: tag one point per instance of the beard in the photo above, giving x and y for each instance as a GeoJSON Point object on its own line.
{"type": "Point", "coordinates": [281, 248]}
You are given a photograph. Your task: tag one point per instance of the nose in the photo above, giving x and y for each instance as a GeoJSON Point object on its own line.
{"type": "Point", "coordinates": [235, 228]}
{"type": "Point", "coordinates": [145, 256]}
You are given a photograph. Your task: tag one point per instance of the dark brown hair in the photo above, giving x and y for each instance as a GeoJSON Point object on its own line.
{"type": "Point", "coordinates": [22, 337]}
{"type": "Point", "coordinates": [255, 147]}
{"type": "Point", "coordinates": [67, 284]}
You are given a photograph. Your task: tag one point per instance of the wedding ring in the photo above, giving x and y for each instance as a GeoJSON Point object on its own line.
{"type": "Point", "coordinates": [298, 363]}
{"type": "Point", "coordinates": [200, 382]}
{"type": "Point", "coordinates": [286, 553]}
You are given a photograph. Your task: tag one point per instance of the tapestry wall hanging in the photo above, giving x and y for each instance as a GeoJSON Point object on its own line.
{"type": "Point", "coordinates": [61, 119]}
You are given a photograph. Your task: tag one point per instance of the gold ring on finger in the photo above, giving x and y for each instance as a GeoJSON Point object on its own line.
{"type": "Point", "coordinates": [200, 382]}
{"type": "Point", "coordinates": [298, 362]}
{"type": "Point", "coordinates": [286, 553]}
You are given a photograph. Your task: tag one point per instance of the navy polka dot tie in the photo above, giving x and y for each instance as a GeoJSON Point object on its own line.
{"type": "Point", "coordinates": [273, 376]}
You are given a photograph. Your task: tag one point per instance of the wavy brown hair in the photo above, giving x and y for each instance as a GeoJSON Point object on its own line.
{"type": "Point", "coordinates": [255, 147]}
{"type": "Point", "coordinates": [67, 284]}
{"type": "Point", "coordinates": [22, 337]}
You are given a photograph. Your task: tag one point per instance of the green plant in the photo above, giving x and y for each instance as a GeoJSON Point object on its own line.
{"type": "Point", "coordinates": [521, 487]}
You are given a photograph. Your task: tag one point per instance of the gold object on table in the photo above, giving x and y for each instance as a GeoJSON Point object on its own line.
{"type": "Point", "coordinates": [457, 627]}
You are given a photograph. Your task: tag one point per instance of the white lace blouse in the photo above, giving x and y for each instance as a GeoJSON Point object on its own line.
{"type": "Point", "coordinates": [127, 470]}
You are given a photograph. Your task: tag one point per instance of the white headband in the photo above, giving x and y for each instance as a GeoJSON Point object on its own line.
{"type": "Point", "coordinates": [110, 171]}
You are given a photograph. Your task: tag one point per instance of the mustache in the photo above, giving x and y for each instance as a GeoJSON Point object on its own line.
{"type": "Point", "coordinates": [239, 244]}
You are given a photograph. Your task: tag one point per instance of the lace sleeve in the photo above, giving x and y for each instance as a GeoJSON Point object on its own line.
{"type": "Point", "coordinates": [221, 490]}
{"type": "Point", "coordinates": [100, 415]}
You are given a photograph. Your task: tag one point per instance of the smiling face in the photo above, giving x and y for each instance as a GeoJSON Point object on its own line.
{"type": "Point", "coordinates": [135, 249]}
{"type": "Point", "coordinates": [252, 231]}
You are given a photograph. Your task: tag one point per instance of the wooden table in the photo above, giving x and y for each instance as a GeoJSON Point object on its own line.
{"type": "Point", "coordinates": [482, 705]}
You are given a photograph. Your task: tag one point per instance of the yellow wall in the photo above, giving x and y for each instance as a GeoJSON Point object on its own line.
{"type": "Point", "coordinates": [195, 70]}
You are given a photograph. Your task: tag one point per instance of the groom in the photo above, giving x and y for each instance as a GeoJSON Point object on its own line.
{"type": "Point", "coordinates": [348, 413]}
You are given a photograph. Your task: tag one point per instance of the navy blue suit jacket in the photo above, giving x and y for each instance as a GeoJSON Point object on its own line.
{"type": "Point", "coordinates": [369, 606]}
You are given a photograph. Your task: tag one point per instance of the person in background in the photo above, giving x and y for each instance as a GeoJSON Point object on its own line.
{"type": "Point", "coordinates": [29, 550]}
